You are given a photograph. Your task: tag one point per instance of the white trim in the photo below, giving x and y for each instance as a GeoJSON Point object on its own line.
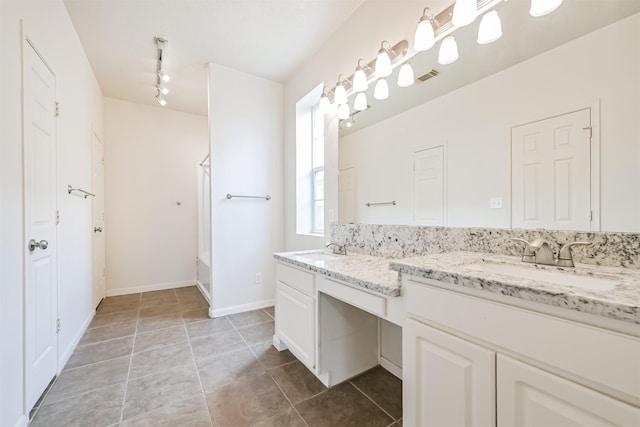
{"type": "Point", "coordinates": [64, 357]}
{"type": "Point", "coordinates": [203, 290]}
{"type": "Point", "coordinates": [23, 421]}
{"type": "Point", "coordinates": [391, 367]}
{"type": "Point", "coordinates": [218, 312]}
{"type": "Point", "coordinates": [147, 288]}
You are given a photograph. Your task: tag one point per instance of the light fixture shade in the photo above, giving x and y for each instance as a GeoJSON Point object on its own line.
{"type": "Point", "coordinates": [383, 64]}
{"type": "Point", "coordinates": [405, 75]}
{"type": "Point", "coordinates": [163, 89]}
{"type": "Point", "coordinates": [343, 111]}
{"type": "Point", "coordinates": [360, 83]}
{"type": "Point", "coordinates": [381, 90]}
{"type": "Point", "coordinates": [360, 104]}
{"type": "Point", "coordinates": [161, 100]}
{"type": "Point", "coordinates": [464, 12]}
{"type": "Point", "coordinates": [340, 95]}
{"type": "Point", "coordinates": [543, 7]}
{"type": "Point", "coordinates": [448, 51]}
{"type": "Point", "coordinates": [324, 104]}
{"type": "Point", "coordinates": [490, 28]}
{"type": "Point", "coordinates": [164, 76]}
{"type": "Point", "coordinates": [425, 37]}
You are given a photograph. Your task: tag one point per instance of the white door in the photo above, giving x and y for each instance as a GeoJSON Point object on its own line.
{"type": "Point", "coordinates": [447, 381]}
{"type": "Point", "coordinates": [428, 186]}
{"type": "Point", "coordinates": [551, 173]}
{"type": "Point", "coordinates": [99, 271]}
{"type": "Point", "coordinates": [531, 397]}
{"type": "Point", "coordinates": [41, 289]}
{"type": "Point", "coordinates": [347, 196]}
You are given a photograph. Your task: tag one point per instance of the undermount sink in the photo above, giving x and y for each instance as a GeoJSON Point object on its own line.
{"type": "Point", "coordinates": [320, 256]}
{"type": "Point", "coordinates": [558, 277]}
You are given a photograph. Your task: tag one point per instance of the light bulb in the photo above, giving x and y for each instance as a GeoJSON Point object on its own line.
{"type": "Point", "coordinates": [381, 90]}
{"type": "Point", "coordinates": [161, 100]}
{"type": "Point", "coordinates": [360, 103]}
{"type": "Point", "coordinates": [343, 111]}
{"type": "Point", "coordinates": [340, 95]}
{"type": "Point", "coordinates": [383, 63]}
{"type": "Point", "coordinates": [464, 12]}
{"type": "Point", "coordinates": [490, 28]}
{"type": "Point", "coordinates": [448, 51]}
{"type": "Point", "coordinates": [163, 89]}
{"type": "Point", "coordinates": [425, 37]}
{"type": "Point", "coordinates": [543, 7]}
{"type": "Point", "coordinates": [164, 76]}
{"type": "Point", "coordinates": [405, 75]}
{"type": "Point", "coordinates": [324, 104]}
{"type": "Point", "coordinates": [349, 123]}
{"type": "Point", "coordinates": [360, 83]}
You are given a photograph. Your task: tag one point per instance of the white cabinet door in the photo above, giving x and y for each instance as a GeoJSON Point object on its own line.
{"type": "Point", "coordinates": [295, 323]}
{"type": "Point", "coordinates": [529, 396]}
{"type": "Point", "coordinates": [447, 381]}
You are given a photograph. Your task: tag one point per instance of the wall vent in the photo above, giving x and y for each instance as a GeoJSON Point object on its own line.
{"type": "Point", "coordinates": [429, 74]}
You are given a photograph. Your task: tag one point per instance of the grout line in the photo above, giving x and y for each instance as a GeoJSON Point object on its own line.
{"type": "Point", "coordinates": [373, 401]}
{"type": "Point", "coordinates": [195, 363]}
{"type": "Point", "coordinates": [126, 384]}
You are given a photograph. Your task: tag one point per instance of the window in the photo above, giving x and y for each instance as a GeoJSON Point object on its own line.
{"type": "Point", "coordinates": [310, 165]}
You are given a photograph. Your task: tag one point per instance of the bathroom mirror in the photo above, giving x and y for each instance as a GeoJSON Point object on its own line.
{"type": "Point", "coordinates": [456, 127]}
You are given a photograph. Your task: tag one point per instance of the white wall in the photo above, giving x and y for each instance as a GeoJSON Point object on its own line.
{"type": "Point", "coordinates": [246, 159]}
{"type": "Point", "coordinates": [602, 66]}
{"type": "Point", "coordinates": [151, 155]}
{"type": "Point", "coordinates": [49, 27]}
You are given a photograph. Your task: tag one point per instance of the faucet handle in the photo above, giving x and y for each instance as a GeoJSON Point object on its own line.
{"type": "Point", "coordinates": [565, 252]}
{"type": "Point", "coordinates": [527, 255]}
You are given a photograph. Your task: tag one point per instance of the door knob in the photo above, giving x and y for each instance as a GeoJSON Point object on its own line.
{"type": "Point", "coordinates": [42, 244]}
{"type": "Point", "coordinates": [97, 229]}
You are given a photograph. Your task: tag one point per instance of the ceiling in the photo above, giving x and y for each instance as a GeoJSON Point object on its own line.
{"type": "Point", "coordinates": [265, 38]}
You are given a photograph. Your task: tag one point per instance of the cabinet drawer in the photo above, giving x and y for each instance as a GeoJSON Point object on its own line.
{"type": "Point", "coordinates": [297, 279]}
{"type": "Point", "coordinates": [361, 299]}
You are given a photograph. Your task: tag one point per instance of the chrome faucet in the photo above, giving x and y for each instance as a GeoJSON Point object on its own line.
{"type": "Point", "coordinates": [539, 252]}
{"type": "Point", "coordinates": [342, 249]}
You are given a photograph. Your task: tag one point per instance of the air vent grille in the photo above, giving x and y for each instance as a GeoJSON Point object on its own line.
{"type": "Point", "coordinates": [429, 74]}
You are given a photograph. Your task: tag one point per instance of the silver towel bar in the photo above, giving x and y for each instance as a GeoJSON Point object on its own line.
{"type": "Point", "coordinates": [369, 204]}
{"type": "Point", "coordinates": [231, 196]}
{"type": "Point", "coordinates": [85, 193]}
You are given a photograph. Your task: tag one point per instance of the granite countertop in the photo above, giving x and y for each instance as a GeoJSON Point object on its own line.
{"type": "Point", "coordinates": [622, 302]}
{"type": "Point", "coordinates": [363, 271]}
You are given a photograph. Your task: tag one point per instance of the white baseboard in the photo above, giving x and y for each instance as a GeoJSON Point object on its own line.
{"type": "Point", "coordinates": [391, 367]}
{"type": "Point", "coordinates": [23, 421]}
{"type": "Point", "coordinates": [224, 311]}
{"type": "Point", "coordinates": [204, 291]}
{"type": "Point", "coordinates": [64, 358]}
{"type": "Point", "coordinates": [147, 288]}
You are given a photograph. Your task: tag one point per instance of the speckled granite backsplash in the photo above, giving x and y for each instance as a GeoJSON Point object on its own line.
{"type": "Point", "coordinates": [402, 241]}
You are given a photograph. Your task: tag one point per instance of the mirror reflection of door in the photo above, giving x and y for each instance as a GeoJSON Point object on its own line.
{"type": "Point", "coordinates": [97, 187]}
{"type": "Point", "coordinates": [428, 187]}
{"type": "Point", "coordinates": [347, 196]}
{"type": "Point", "coordinates": [551, 173]}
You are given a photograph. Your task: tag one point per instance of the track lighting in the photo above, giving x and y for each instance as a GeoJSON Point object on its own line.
{"type": "Point", "coordinates": [163, 89]}
{"type": "Point", "coordinates": [161, 76]}
{"type": "Point", "coordinates": [490, 28]}
{"type": "Point", "coordinates": [381, 90]}
{"type": "Point", "coordinates": [464, 12]}
{"type": "Point", "coordinates": [543, 7]}
{"type": "Point", "coordinates": [161, 100]}
{"type": "Point", "coordinates": [360, 83]}
{"type": "Point", "coordinates": [383, 61]}
{"type": "Point", "coordinates": [424, 38]}
{"type": "Point", "coordinates": [405, 75]}
{"type": "Point", "coordinates": [448, 53]}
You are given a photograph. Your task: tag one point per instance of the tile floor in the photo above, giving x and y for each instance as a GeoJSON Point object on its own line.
{"type": "Point", "coordinates": [156, 359]}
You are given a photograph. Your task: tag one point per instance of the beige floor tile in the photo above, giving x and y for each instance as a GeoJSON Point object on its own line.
{"type": "Point", "coordinates": [188, 290]}
{"type": "Point", "coordinates": [147, 324]}
{"type": "Point", "coordinates": [288, 418]}
{"type": "Point", "coordinates": [159, 310]}
{"type": "Point", "coordinates": [196, 315]}
{"type": "Point", "coordinates": [160, 359]}
{"type": "Point", "coordinates": [114, 307]}
{"type": "Point", "coordinates": [383, 388]}
{"type": "Point", "coordinates": [246, 401]}
{"type": "Point", "coordinates": [160, 338]}
{"type": "Point", "coordinates": [247, 318]}
{"type": "Point", "coordinates": [158, 294]}
{"type": "Point", "coordinates": [87, 378]}
{"type": "Point", "coordinates": [154, 391]}
{"type": "Point", "coordinates": [120, 330]}
{"type": "Point", "coordinates": [100, 320]}
{"type": "Point", "coordinates": [296, 381]}
{"type": "Point", "coordinates": [256, 334]}
{"type": "Point", "coordinates": [271, 311]}
{"type": "Point", "coordinates": [99, 352]}
{"type": "Point", "coordinates": [122, 298]}
{"type": "Point", "coordinates": [224, 369]}
{"type": "Point", "coordinates": [215, 345]}
{"type": "Point", "coordinates": [192, 304]}
{"type": "Point", "coordinates": [191, 412]}
{"type": "Point", "coordinates": [158, 300]}
{"type": "Point", "coordinates": [100, 407]}
{"type": "Point", "coordinates": [209, 327]}
{"type": "Point", "coordinates": [270, 357]}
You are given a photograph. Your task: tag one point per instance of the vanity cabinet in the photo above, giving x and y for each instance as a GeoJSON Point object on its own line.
{"type": "Point", "coordinates": [473, 361]}
{"type": "Point", "coordinates": [295, 320]}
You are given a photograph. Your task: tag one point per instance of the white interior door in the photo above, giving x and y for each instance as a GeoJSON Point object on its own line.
{"type": "Point", "coordinates": [551, 173]}
{"type": "Point", "coordinates": [99, 270]}
{"type": "Point", "coordinates": [428, 186]}
{"type": "Point", "coordinates": [347, 196]}
{"type": "Point", "coordinates": [41, 289]}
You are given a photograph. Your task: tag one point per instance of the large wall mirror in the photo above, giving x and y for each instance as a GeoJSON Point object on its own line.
{"type": "Point", "coordinates": [539, 129]}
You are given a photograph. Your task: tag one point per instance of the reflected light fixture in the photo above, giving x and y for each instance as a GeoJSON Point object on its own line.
{"type": "Point", "coordinates": [161, 100]}
{"type": "Point", "coordinates": [543, 7]}
{"type": "Point", "coordinates": [448, 53]}
{"type": "Point", "coordinates": [343, 111]}
{"type": "Point", "coordinates": [381, 90]}
{"type": "Point", "coordinates": [360, 103]}
{"type": "Point", "coordinates": [405, 75]}
{"type": "Point", "coordinates": [490, 28]}
{"type": "Point", "coordinates": [360, 83]}
{"type": "Point", "coordinates": [163, 89]}
{"type": "Point", "coordinates": [324, 104]}
{"type": "Point", "coordinates": [424, 38]}
{"type": "Point", "coordinates": [464, 12]}
{"type": "Point", "coordinates": [161, 76]}
{"type": "Point", "coordinates": [383, 61]}
{"type": "Point", "coordinates": [340, 93]}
